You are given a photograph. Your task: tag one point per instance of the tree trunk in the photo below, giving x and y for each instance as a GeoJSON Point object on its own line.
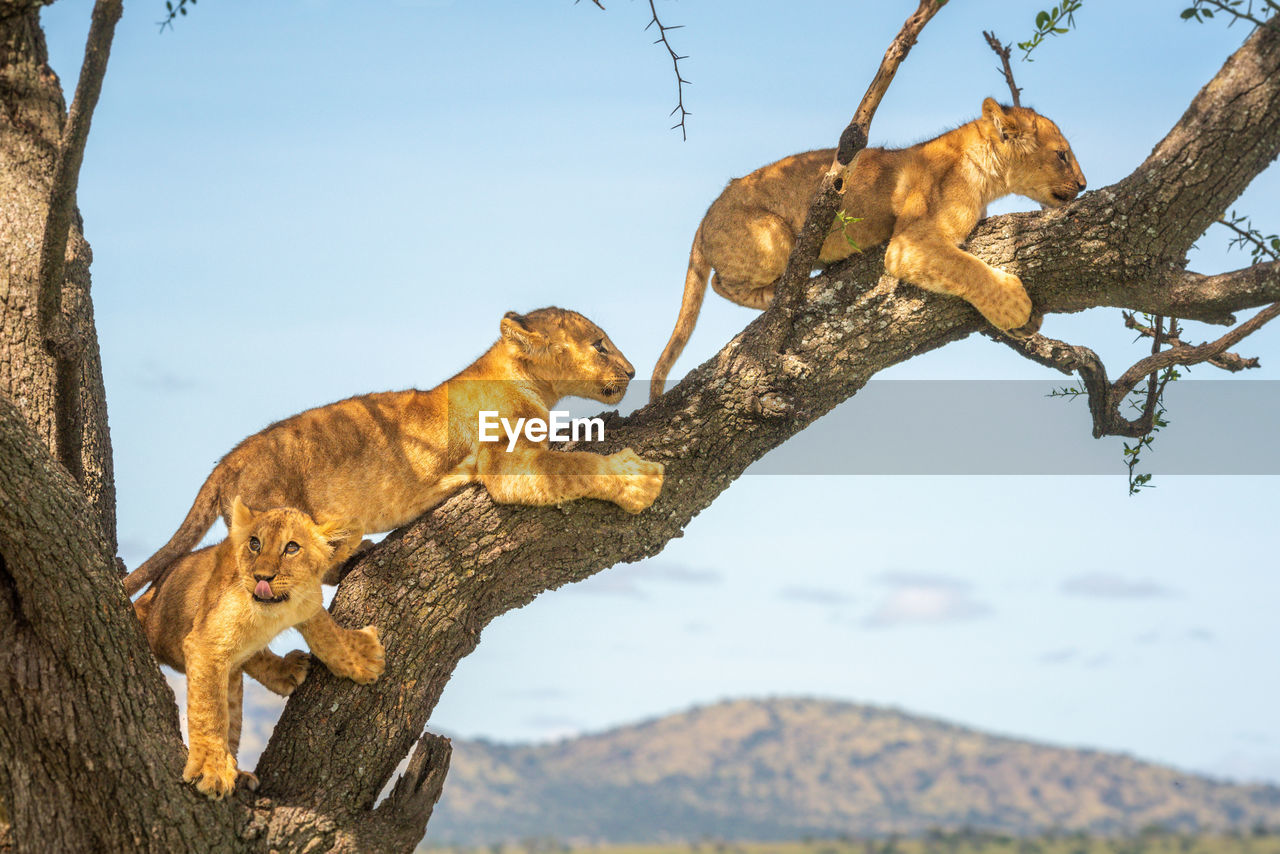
{"type": "Point", "coordinates": [32, 113]}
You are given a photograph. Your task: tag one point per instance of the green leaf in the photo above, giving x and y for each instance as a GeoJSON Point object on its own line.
{"type": "Point", "coordinates": [1042, 20]}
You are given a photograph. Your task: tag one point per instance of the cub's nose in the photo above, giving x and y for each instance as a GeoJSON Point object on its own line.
{"type": "Point", "coordinates": [257, 577]}
{"type": "Point", "coordinates": [631, 372]}
{"type": "Point", "coordinates": [1080, 185]}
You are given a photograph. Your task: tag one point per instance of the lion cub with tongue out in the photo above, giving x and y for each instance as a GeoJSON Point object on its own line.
{"type": "Point", "coordinates": [214, 613]}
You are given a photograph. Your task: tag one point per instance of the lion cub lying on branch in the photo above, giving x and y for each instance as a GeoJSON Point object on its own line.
{"type": "Point", "coordinates": [924, 200]}
{"type": "Point", "coordinates": [218, 609]}
{"type": "Point", "coordinates": [376, 462]}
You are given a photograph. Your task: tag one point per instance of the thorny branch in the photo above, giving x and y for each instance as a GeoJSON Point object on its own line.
{"type": "Point", "coordinates": [675, 64]}
{"type": "Point", "coordinates": [1003, 52]}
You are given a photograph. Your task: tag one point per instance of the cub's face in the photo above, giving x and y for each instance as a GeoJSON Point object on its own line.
{"type": "Point", "coordinates": [1038, 158]}
{"type": "Point", "coordinates": [570, 351]}
{"type": "Point", "coordinates": [277, 551]}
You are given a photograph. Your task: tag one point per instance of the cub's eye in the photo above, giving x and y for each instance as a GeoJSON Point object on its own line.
{"type": "Point", "coordinates": [254, 545]}
{"type": "Point", "coordinates": [1062, 155]}
{"type": "Point", "coordinates": [290, 547]}
{"type": "Point", "coordinates": [600, 346]}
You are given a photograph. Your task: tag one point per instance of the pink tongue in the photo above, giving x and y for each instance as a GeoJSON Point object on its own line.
{"type": "Point", "coordinates": [263, 590]}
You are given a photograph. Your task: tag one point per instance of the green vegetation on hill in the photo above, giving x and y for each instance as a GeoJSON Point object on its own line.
{"type": "Point", "coordinates": [787, 769]}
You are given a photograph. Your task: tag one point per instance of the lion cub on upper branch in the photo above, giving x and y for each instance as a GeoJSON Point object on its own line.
{"type": "Point", "coordinates": [924, 200]}
{"type": "Point", "coordinates": [218, 609]}
{"type": "Point", "coordinates": [379, 461]}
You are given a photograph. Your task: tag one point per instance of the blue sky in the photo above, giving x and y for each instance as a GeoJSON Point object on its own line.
{"type": "Point", "coordinates": [293, 202]}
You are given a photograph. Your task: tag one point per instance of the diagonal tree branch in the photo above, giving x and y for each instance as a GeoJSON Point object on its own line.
{"type": "Point", "coordinates": [826, 199]}
{"type": "Point", "coordinates": [1186, 183]}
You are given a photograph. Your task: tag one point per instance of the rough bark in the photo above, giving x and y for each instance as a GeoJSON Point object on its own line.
{"type": "Point", "coordinates": [432, 587]}
{"type": "Point", "coordinates": [88, 727]}
{"type": "Point", "coordinates": [32, 114]}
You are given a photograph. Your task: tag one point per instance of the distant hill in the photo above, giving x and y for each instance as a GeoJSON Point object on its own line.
{"type": "Point", "coordinates": [784, 769]}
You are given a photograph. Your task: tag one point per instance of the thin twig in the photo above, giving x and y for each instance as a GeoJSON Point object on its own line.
{"type": "Point", "coordinates": [1003, 51]}
{"type": "Point", "coordinates": [675, 63]}
{"type": "Point", "coordinates": [1194, 355]}
{"type": "Point", "coordinates": [1105, 397]}
{"type": "Point", "coordinates": [1250, 237]}
{"type": "Point", "coordinates": [1232, 362]}
{"type": "Point", "coordinates": [822, 209]}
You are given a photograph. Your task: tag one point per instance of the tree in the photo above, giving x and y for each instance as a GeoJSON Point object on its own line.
{"type": "Point", "coordinates": [71, 742]}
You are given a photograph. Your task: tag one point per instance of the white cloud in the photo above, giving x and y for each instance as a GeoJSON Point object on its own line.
{"type": "Point", "coordinates": [924, 598]}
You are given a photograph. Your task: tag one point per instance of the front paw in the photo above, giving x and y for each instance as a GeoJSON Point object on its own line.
{"type": "Point", "coordinates": [1009, 308]}
{"type": "Point", "coordinates": [212, 769]}
{"type": "Point", "coordinates": [294, 668]}
{"type": "Point", "coordinates": [641, 480]}
{"type": "Point", "coordinates": [367, 657]}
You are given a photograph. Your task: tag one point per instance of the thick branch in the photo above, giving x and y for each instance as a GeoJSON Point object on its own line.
{"type": "Point", "coordinates": [1186, 175]}
{"type": "Point", "coordinates": [62, 341]}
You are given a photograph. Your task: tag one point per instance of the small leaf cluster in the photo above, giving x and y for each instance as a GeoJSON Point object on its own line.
{"type": "Point", "coordinates": [1203, 10]}
{"type": "Point", "coordinates": [173, 11]}
{"type": "Point", "coordinates": [1051, 22]}
{"type": "Point", "coordinates": [844, 220]}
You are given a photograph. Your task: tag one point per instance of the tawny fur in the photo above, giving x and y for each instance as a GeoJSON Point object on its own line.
{"type": "Point", "coordinates": [379, 461]}
{"type": "Point", "coordinates": [924, 200]}
{"type": "Point", "coordinates": [211, 619]}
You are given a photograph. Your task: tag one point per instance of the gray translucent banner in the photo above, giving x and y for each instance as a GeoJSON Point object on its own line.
{"type": "Point", "coordinates": [1216, 427]}
{"type": "Point", "coordinates": [1013, 427]}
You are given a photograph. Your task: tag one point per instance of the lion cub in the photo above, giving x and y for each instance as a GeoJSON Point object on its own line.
{"type": "Point", "coordinates": [218, 609]}
{"type": "Point", "coordinates": [379, 461]}
{"type": "Point", "coordinates": [924, 200]}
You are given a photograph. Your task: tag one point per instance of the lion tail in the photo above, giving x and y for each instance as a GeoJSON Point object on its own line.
{"type": "Point", "coordinates": [695, 288]}
{"type": "Point", "coordinates": [203, 513]}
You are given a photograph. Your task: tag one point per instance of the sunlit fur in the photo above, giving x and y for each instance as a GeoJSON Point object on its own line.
{"type": "Point", "coordinates": [206, 619]}
{"type": "Point", "coordinates": [924, 200]}
{"type": "Point", "coordinates": [379, 461]}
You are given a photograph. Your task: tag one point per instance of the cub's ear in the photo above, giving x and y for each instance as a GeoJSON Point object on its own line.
{"type": "Point", "coordinates": [333, 533]}
{"type": "Point", "coordinates": [516, 330]}
{"type": "Point", "coordinates": [999, 119]}
{"type": "Point", "coordinates": [241, 516]}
